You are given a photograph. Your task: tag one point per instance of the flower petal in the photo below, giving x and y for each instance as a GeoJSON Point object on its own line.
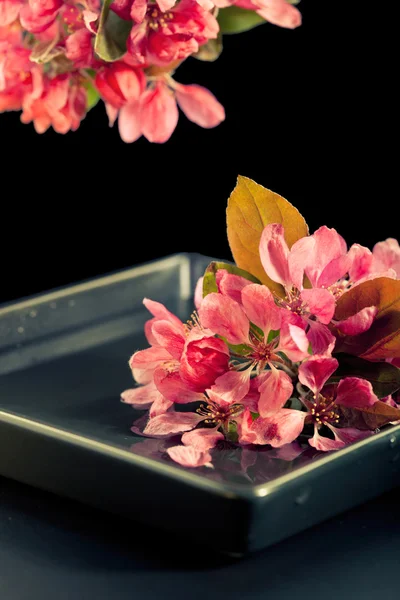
{"type": "Point", "coordinates": [202, 439]}
{"type": "Point", "coordinates": [280, 428]}
{"type": "Point", "coordinates": [160, 406]}
{"type": "Point", "coordinates": [275, 390]}
{"type": "Point", "coordinates": [320, 303]}
{"type": "Point", "coordinates": [198, 293]}
{"type": "Point", "coordinates": [172, 387]}
{"type": "Point", "coordinates": [328, 246]}
{"type": "Point", "coordinates": [325, 444]}
{"type": "Point", "coordinates": [355, 393]}
{"type": "Point", "coordinates": [225, 317]}
{"type": "Point", "coordinates": [315, 371]}
{"type": "Point", "coordinates": [231, 285]}
{"type": "Point", "coordinates": [171, 423]}
{"type": "Point", "coordinates": [233, 386]}
{"type": "Point", "coordinates": [188, 456]}
{"type": "Point", "coordinates": [321, 339]}
{"type": "Point", "coordinates": [199, 105]}
{"type": "Point", "coordinates": [260, 308]}
{"type": "Point", "coordinates": [159, 311]}
{"type": "Point", "coordinates": [170, 336]}
{"type": "Point", "coordinates": [144, 362]}
{"type": "Point", "coordinates": [359, 322]}
{"type": "Point", "coordinates": [142, 396]}
{"type": "Point", "coordinates": [335, 270]}
{"type": "Point", "coordinates": [204, 358]}
{"type": "Point", "coordinates": [129, 122]}
{"type": "Point", "coordinates": [299, 257]}
{"type": "Point", "coordinates": [293, 340]}
{"type": "Point", "coordinates": [349, 435]}
{"type": "Point", "coordinates": [274, 254]}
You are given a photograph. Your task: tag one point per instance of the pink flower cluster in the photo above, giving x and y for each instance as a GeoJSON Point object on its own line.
{"type": "Point", "coordinates": [49, 63]}
{"type": "Point", "coordinates": [257, 366]}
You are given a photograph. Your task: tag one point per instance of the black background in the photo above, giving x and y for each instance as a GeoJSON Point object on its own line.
{"type": "Point", "coordinates": [310, 114]}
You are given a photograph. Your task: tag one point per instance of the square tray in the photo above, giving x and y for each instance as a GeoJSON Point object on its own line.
{"type": "Point", "coordinates": [63, 364]}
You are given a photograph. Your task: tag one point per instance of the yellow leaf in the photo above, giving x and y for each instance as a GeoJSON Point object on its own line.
{"type": "Point", "coordinates": [251, 207]}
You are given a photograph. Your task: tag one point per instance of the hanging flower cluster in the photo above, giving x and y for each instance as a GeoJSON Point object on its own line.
{"type": "Point", "coordinates": [304, 342]}
{"type": "Point", "coordinates": [57, 58]}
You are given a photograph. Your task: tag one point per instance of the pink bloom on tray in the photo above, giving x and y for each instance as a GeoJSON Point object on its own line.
{"type": "Point", "coordinates": [235, 322]}
{"type": "Point", "coordinates": [183, 360]}
{"type": "Point", "coordinates": [324, 401]}
{"type": "Point", "coordinates": [331, 270]}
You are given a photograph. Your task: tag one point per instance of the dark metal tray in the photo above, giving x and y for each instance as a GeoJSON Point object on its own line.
{"type": "Point", "coordinates": [63, 364]}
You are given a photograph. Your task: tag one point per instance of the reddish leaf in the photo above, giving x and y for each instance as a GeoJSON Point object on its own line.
{"type": "Point", "coordinates": [373, 417]}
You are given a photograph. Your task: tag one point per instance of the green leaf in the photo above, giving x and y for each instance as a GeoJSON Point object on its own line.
{"type": "Point", "coordinates": [236, 20]}
{"type": "Point", "coordinates": [232, 432]}
{"type": "Point", "coordinates": [112, 34]}
{"type": "Point", "coordinates": [384, 377]}
{"type": "Point", "coordinates": [211, 50]}
{"type": "Point", "coordinates": [241, 349]}
{"type": "Point", "coordinates": [209, 282]}
{"type": "Point", "coordinates": [93, 95]}
{"type": "Point", "coordinates": [272, 335]}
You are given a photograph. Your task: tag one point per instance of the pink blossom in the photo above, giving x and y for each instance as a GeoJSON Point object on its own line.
{"type": "Point", "coordinates": [158, 113]}
{"type": "Point", "coordinates": [233, 321]}
{"type": "Point", "coordinates": [387, 255]}
{"type": "Point", "coordinates": [323, 405]}
{"type": "Point", "coordinates": [199, 105]}
{"type": "Point", "coordinates": [277, 12]}
{"type": "Point", "coordinates": [279, 428]}
{"type": "Point", "coordinates": [164, 37]}
{"type": "Point", "coordinates": [59, 102]}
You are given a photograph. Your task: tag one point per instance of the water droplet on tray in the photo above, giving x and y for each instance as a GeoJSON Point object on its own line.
{"type": "Point", "coordinates": [20, 329]}
{"type": "Point", "coordinates": [71, 303]}
{"type": "Point", "coordinates": [53, 305]}
{"type": "Point", "coordinates": [392, 441]}
{"type": "Point", "coordinates": [33, 313]}
{"type": "Point", "coordinates": [302, 497]}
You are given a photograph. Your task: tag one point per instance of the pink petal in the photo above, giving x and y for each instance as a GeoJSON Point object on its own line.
{"type": "Point", "coordinates": [112, 113]}
{"type": "Point", "coordinates": [148, 332]}
{"type": "Point", "coordinates": [141, 396]}
{"type": "Point", "coordinates": [188, 456]}
{"type": "Point", "coordinates": [279, 12]}
{"type": "Point", "coordinates": [233, 386]}
{"type": "Point", "coordinates": [144, 362]}
{"type": "Point", "coordinates": [387, 255]}
{"type": "Point", "coordinates": [275, 390]}
{"type": "Point", "coordinates": [321, 339]}
{"type": "Point", "coordinates": [138, 10]}
{"type": "Point", "coordinates": [349, 435]}
{"type": "Point", "coordinates": [165, 5]}
{"type": "Point", "coordinates": [231, 285]}
{"type": "Point", "coordinates": [274, 254]}
{"type": "Point", "coordinates": [171, 386]}
{"type": "Point", "coordinates": [170, 336]}
{"type": "Point", "coordinates": [160, 406]}
{"type": "Point", "coordinates": [159, 113]}
{"type": "Point", "coordinates": [355, 393]}
{"type": "Point", "coordinates": [293, 341]}
{"type": "Point", "coordinates": [328, 246]}
{"type": "Point", "coordinates": [253, 396]}
{"type": "Point", "coordinates": [260, 308]}
{"type": "Point", "coordinates": [9, 11]}
{"type": "Point", "coordinates": [280, 428]}
{"type": "Point", "coordinates": [159, 311]}
{"type": "Point", "coordinates": [299, 257]}
{"type": "Point", "coordinates": [129, 122]}
{"type": "Point", "coordinates": [325, 444]}
{"type": "Point", "coordinates": [202, 439]}
{"type": "Point", "coordinates": [320, 303]}
{"type": "Point", "coordinates": [315, 372]}
{"type": "Point", "coordinates": [361, 262]}
{"type": "Point", "coordinates": [335, 270]}
{"type": "Point", "coordinates": [171, 423]}
{"type": "Point", "coordinates": [89, 18]}
{"type": "Point", "coordinates": [199, 105]}
{"type": "Point", "coordinates": [198, 293]}
{"type": "Point", "coordinates": [225, 317]}
{"type": "Point", "coordinates": [203, 360]}
{"type": "Point", "coordinates": [359, 322]}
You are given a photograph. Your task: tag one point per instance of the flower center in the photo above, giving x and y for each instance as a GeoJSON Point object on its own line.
{"type": "Point", "coordinates": [157, 19]}
{"type": "Point", "coordinates": [219, 414]}
{"type": "Point", "coordinates": [324, 411]}
{"type": "Point", "coordinates": [262, 352]}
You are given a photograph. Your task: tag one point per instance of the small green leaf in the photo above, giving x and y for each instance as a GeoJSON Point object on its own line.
{"type": "Point", "coordinates": [209, 283]}
{"type": "Point", "coordinates": [384, 377]}
{"type": "Point", "coordinates": [112, 34]}
{"type": "Point", "coordinates": [211, 50]}
{"type": "Point", "coordinates": [241, 349]}
{"type": "Point", "coordinates": [93, 95]}
{"type": "Point", "coordinates": [232, 432]}
{"type": "Point", "coordinates": [272, 335]}
{"type": "Point", "coordinates": [254, 415]}
{"type": "Point", "coordinates": [236, 20]}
